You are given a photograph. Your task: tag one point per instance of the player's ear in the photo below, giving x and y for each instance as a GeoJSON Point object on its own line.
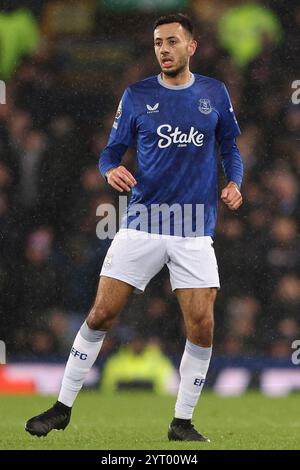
{"type": "Point", "coordinates": [192, 47]}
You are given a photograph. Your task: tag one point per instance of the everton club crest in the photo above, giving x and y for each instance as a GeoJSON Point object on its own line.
{"type": "Point", "coordinates": [205, 106]}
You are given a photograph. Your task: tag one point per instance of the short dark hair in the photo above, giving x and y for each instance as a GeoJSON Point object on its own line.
{"type": "Point", "coordinates": [184, 20]}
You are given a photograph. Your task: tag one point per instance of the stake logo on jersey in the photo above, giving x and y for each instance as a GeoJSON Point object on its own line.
{"type": "Point", "coordinates": [178, 137]}
{"type": "Point", "coordinates": [176, 130]}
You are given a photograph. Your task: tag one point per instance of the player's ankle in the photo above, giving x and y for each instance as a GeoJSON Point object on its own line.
{"type": "Point", "coordinates": [180, 421]}
{"type": "Point", "coordinates": [62, 406]}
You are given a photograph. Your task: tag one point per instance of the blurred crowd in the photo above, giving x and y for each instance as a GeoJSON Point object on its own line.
{"type": "Point", "coordinates": [51, 133]}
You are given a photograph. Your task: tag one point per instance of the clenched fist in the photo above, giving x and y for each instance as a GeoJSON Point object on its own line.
{"type": "Point", "coordinates": [231, 196]}
{"type": "Point", "coordinates": [120, 179]}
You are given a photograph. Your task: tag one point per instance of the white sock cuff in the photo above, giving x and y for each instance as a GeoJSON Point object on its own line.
{"type": "Point", "coordinates": [92, 336]}
{"type": "Point", "coordinates": [198, 352]}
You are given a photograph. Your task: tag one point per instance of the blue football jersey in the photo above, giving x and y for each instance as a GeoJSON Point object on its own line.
{"type": "Point", "coordinates": [176, 129]}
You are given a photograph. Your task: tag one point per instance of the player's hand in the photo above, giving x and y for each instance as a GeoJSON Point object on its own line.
{"type": "Point", "coordinates": [120, 179]}
{"type": "Point", "coordinates": [231, 196]}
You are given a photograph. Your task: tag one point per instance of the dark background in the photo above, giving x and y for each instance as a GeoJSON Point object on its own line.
{"type": "Point", "coordinates": [62, 93]}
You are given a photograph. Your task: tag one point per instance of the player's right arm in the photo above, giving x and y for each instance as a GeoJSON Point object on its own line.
{"type": "Point", "coordinates": [121, 136]}
{"type": "Point", "coordinates": [120, 178]}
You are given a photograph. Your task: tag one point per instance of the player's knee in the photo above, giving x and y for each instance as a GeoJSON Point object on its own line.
{"type": "Point", "coordinates": [202, 332]}
{"type": "Point", "coordinates": [207, 328]}
{"type": "Point", "coordinates": [100, 318]}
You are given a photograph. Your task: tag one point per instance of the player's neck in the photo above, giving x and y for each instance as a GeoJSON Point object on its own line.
{"type": "Point", "coordinates": [182, 78]}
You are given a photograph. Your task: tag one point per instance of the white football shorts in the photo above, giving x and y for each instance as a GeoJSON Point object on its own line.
{"type": "Point", "coordinates": [135, 257]}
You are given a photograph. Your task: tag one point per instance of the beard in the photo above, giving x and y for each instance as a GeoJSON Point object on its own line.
{"type": "Point", "coordinates": [176, 72]}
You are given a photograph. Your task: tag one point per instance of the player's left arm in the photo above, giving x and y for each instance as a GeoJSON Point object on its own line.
{"type": "Point", "coordinates": [226, 133]}
{"type": "Point", "coordinates": [233, 170]}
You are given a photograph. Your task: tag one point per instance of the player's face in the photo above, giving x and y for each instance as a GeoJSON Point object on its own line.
{"type": "Point", "coordinates": [173, 48]}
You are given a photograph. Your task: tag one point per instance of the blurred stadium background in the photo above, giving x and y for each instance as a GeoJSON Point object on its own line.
{"type": "Point", "coordinates": [65, 65]}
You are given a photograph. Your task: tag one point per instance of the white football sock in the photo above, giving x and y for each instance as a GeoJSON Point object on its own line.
{"type": "Point", "coordinates": [193, 369]}
{"type": "Point", "coordinates": [83, 354]}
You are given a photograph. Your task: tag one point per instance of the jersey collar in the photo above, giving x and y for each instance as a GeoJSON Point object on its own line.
{"type": "Point", "coordinates": [176, 87]}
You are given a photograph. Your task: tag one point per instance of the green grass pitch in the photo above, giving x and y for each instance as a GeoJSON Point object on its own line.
{"type": "Point", "coordinates": [140, 421]}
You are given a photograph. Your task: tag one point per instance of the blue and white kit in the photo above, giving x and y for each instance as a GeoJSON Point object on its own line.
{"type": "Point", "coordinates": [177, 130]}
